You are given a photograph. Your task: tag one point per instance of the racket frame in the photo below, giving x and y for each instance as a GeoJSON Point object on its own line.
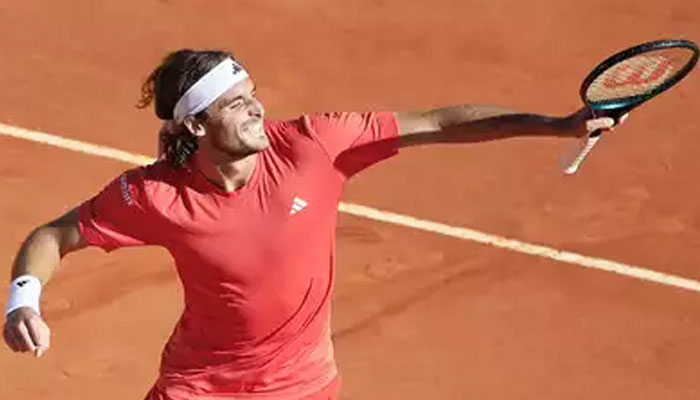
{"type": "Point", "coordinates": [618, 107]}
{"type": "Point", "coordinates": [629, 102]}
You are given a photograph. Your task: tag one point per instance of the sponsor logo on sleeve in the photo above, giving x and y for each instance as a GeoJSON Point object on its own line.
{"type": "Point", "coordinates": [126, 191]}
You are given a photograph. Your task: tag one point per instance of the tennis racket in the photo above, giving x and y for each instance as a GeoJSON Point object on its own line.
{"type": "Point", "coordinates": [630, 78]}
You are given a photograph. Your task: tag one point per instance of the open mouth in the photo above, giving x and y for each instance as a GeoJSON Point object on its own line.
{"type": "Point", "coordinates": [257, 131]}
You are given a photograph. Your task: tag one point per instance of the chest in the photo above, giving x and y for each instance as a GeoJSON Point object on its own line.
{"type": "Point", "coordinates": [281, 225]}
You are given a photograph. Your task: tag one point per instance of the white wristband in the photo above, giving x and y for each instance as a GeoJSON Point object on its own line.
{"type": "Point", "coordinates": [25, 291]}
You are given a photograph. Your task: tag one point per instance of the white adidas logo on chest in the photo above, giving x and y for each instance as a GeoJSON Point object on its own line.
{"type": "Point", "coordinates": [298, 204]}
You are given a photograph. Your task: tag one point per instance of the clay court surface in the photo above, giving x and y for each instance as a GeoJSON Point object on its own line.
{"type": "Point", "coordinates": [418, 315]}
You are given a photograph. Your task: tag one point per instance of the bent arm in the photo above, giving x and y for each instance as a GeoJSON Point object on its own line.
{"type": "Point", "coordinates": [43, 249]}
{"type": "Point", "coordinates": [39, 256]}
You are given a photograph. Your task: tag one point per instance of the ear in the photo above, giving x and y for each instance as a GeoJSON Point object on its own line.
{"type": "Point", "coordinates": [195, 127]}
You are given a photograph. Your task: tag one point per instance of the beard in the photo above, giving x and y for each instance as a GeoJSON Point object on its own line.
{"type": "Point", "coordinates": [248, 139]}
{"type": "Point", "coordinates": [253, 136]}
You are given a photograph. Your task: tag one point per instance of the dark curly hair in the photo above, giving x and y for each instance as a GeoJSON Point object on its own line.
{"type": "Point", "coordinates": [177, 72]}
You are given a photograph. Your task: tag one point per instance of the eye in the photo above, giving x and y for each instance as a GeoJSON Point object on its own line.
{"type": "Point", "coordinates": [236, 103]}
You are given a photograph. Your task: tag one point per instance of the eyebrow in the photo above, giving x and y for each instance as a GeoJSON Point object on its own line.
{"type": "Point", "coordinates": [226, 103]}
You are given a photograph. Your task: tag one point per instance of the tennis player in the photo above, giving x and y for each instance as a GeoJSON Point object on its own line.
{"type": "Point", "coordinates": [247, 208]}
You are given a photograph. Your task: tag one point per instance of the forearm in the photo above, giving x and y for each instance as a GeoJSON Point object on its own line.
{"type": "Point", "coordinates": [478, 123]}
{"type": "Point", "coordinates": [39, 255]}
{"type": "Point", "coordinates": [35, 263]}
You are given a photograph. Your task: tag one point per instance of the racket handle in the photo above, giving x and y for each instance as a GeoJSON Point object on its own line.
{"type": "Point", "coordinates": [591, 141]}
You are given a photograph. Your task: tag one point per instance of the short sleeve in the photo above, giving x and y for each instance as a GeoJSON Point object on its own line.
{"type": "Point", "coordinates": [355, 141]}
{"type": "Point", "coordinates": [120, 215]}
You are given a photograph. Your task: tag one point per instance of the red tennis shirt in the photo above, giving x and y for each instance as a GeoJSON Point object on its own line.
{"type": "Point", "coordinates": [257, 264]}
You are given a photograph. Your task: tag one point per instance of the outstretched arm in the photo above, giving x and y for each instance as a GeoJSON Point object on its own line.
{"type": "Point", "coordinates": [475, 123]}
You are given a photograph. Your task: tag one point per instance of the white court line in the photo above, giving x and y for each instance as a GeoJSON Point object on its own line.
{"type": "Point", "coordinates": [397, 219]}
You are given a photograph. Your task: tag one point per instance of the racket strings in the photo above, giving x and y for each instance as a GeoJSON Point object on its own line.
{"type": "Point", "coordinates": [638, 75]}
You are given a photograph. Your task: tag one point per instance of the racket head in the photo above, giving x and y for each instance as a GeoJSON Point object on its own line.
{"type": "Point", "coordinates": [635, 75]}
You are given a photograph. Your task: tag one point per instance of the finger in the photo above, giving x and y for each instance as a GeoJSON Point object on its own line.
{"type": "Point", "coordinates": [599, 123]}
{"type": "Point", "coordinates": [10, 340]}
{"type": "Point", "coordinates": [17, 341]}
{"type": "Point", "coordinates": [25, 340]}
{"type": "Point", "coordinates": [40, 335]}
{"type": "Point", "coordinates": [622, 119]}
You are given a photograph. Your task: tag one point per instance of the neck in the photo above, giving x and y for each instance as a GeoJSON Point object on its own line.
{"type": "Point", "coordinates": [228, 174]}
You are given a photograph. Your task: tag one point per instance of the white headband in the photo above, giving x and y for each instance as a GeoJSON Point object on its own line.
{"type": "Point", "coordinates": [207, 89]}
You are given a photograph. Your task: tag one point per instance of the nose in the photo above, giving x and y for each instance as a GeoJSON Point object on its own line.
{"type": "Point", "coordinates": [256, 108]}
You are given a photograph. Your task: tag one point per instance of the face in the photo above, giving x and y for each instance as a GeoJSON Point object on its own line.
{"type": "Point", "coordinates": [234, 123]}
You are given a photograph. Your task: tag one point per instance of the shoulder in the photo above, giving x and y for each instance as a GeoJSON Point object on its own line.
{"type": "Point", "coordinates": [308, 124]}
{"type": "Point", "coordinates": [294, 140]}
{"type": "Point", "coordinates": [282, 128]}
{"type": "Point", "coordinates": [150, 183]}
{"type": "Point", "coordinates": [287, 133]}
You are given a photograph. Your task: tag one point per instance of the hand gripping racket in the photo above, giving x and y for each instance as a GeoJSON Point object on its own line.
{"type": "Point", "coordinates": [630, 78]}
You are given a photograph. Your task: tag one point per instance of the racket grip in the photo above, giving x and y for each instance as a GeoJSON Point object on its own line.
{"type": "Point", "coordinates": [592, 140]}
